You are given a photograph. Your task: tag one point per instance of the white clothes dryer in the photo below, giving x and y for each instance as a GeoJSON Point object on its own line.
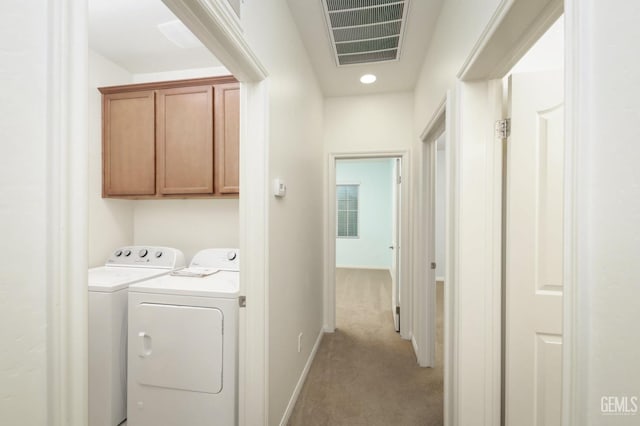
{"type": "Point", "coordinates": [108, 287]}
{"type": "Point", "coordinates": [183, 345]}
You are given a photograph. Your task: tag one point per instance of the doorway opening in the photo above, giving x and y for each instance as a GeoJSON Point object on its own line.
{"type": "Point", "coordinates": [364, 369]}
{"type": "Point", "coordinates": [433, 300]}
{"type": "Point", "coordinates": [367, 242]}
{"type": "Point", "coordinates": [211, 55]}
{"type": "Point", "coordinates": [532, 232]}
{"type": "Point", "coordinates": [510, 203]}
{"type": "Point", "coordinates": [374, 246]}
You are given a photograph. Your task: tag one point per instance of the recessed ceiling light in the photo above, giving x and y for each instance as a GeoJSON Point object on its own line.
{"type": "Point", "coordinates": [367, 79]}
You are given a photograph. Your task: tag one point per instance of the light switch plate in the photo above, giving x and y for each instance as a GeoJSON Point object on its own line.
{"type": "Point", "coordinates": [279, 188]}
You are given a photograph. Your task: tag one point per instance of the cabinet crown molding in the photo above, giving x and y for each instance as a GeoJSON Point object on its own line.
{"type": "Point", "coordinates": [159, 85]}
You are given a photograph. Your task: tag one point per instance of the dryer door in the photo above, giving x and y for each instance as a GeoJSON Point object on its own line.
{"type": "Point", "coordinates": [178, 347]}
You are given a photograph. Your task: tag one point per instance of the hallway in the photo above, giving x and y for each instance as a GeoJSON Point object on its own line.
{"type": "Point", "coordinates": [364, 373]}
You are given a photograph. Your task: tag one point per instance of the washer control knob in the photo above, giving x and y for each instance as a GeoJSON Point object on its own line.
{"type": "Point", "coordinates": [118, 253]}
{"type": "Point", "coordinates": [158, 254]}
{"type": "Point", "coordinates": [127, 253]}
{"type": "Point", "coordinates": [231, 255]}
{"type": "Point", "coordinates": [143, 252]}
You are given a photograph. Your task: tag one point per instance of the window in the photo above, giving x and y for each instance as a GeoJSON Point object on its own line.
{"type": "Point", "coordinates": [347, 197]}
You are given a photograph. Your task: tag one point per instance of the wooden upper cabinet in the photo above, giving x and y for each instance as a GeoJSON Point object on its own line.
{"type": "Point", "coordinates": [184, 124]}
{"type": "Point", "coordinates": [227, 129]}
{"type": "Point", "coordinates": [172, 139]}
{"type": "Point", "coordinates": [129, 144]}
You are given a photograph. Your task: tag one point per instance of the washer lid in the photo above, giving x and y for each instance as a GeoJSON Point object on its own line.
{"type": "Point", "coordinates": [222, 284]}
{"type": "Point", "coordinates": [108, 279]}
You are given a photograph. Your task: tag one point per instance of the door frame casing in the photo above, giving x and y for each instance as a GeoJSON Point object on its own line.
{"type": "Point", "coordinates": [424, 333]}
{"type": "Point", "coordinates": [66, 214]}
{"type": "Point", "coordinates": [405, 243]}
{"type": "Point", "coordinates": [216, 24]}
{"type": "Point", "coordinates": [443, 120]}
{"type": "Point", "coordinates": [396, 224]}
{"type": "Point", "coordinates": [480, 157]}
{"type": "Point", "coordinates": [477, 257]}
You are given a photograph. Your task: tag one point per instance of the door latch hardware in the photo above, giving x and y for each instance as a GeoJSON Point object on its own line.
{"type": "Point", "coordinates": [242, 301]}
{"type": "Point", "coordinates": [433, 265]}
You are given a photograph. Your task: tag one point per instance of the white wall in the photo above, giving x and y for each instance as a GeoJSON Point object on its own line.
{"type": "Point", "coordinates": [179, 74]}
{"type": "Point", "coordinates": [440, 210]}
{"type": "Point", "coordinates": [23, 217]}
{"type": "Point", "coordinates": [368, 123]}
{"type": "Point", "coordinates": [375, 208]}
{"type": "Point", "coordinates": [607, 205]}
{"type": "Point", "coordinates": [110, 220]}
{"type": "Point", "coordinates": [295, 222]}
{"type": "Point", "coordinates": [459, 26]}
{"type": "Point", "coordinates": [190, 225]}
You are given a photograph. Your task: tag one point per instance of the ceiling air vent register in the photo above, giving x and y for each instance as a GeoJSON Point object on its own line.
{"type": "Point", "coordinates": [364, 31]}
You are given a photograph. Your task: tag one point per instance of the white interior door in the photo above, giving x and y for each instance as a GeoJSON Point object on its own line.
{"type": "Point", "coordinates": [395, 245]}
{"type": "Point", "coordinates": [534, 251]}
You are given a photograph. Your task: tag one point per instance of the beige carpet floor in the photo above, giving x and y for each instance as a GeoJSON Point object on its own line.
{"type": "Point", "coordinates": [364, 373]}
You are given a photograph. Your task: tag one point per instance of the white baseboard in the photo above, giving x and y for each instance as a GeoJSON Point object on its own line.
{"type": "Point", "coordinates": [328, 329]}
{"type": "Point", "coordinates": [301, 380]}
{"type": "Point", "coordinates": [415, 348]}
{"type": "Point", "coordinates": [377, 268]}
{"type": "Point", "coordinates": [440, 279]}
{"type": "Point", "coordinates": [419, 358]}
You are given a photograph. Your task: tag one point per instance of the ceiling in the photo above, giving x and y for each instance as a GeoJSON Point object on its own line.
{"type": "Point", "coordinates": [400, 75]}
{"type": "Point", "coordinates": [126, 32]}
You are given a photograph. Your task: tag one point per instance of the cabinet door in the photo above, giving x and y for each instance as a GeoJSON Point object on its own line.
{"type": "Point", "coordinates": [184, 124]}
{"type": "Point", "coordinates": [128, 144]}
{"type": "Point", "coordinates": [227, 127]}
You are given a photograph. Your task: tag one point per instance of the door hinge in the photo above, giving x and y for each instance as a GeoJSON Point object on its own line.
{"type": "Point", "coordinates": [398, 310]}
{"type": "Point", "coordinates": [399, 179]}
{"type": "Point", "coordinates": [503, 128]}
{"type": "Point", "coordinates": [433, 265]}
{"type": "Point", "coordinates": [242, 301]}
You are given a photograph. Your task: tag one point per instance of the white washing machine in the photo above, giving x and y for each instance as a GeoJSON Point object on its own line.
{"type": "Point", "coordinates": [183, 345]}
{"type": "Point", "coordinates": [108, 324]}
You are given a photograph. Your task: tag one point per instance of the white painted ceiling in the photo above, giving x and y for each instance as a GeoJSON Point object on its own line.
{"type": "Point", "coordinates": [126, 32]}
{"type": "Point", "coordinates": [400, 75]}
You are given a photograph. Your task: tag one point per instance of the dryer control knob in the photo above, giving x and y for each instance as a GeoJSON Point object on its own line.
{"type": "Point", "coordinates": [118, 253]}
{"type": "Point", "coordinates": [143, 252]}
{"type": "Point", "coordinates": [127, 253]}
{"type": "Point", "coordinates": [158, 254]}
{"type": "Point", "coordinates": [231, 255]}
